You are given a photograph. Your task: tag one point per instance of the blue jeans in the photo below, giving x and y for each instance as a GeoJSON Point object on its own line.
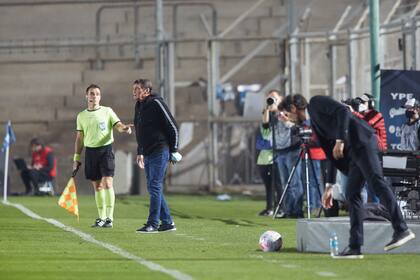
{"type": "Point", "coordinates": [314, 184]}
{"type": "Point", "coordinates": [293, 201]}
{"type": "Point", "coordinates": [155, 168]}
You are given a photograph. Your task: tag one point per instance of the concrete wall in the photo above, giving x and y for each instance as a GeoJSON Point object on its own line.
{"type": "Point", "coordinates": [42, 89]}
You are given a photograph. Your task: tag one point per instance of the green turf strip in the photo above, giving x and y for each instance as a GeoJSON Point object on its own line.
{"type": "Point", "coordinates": [214, 240]}
{"type": "Point", "coordinates": [33, 249]}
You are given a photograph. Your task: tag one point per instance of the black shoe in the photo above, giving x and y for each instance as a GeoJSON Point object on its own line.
{"type": "Point", "coordinates": [291, 216]}
{"type": "Point", "coordinates": [167, 227]}
{"type": "Point", "coordinates": [147, 229]}
{"type": "Point", "coordinates": [280, 215]}
{"type": "Point", "coordinates": [266, 212]}
{"type": "Point", "coordinates": [399, 239]}
{"type": "Point", "coordinates": [283, 215]}
{"type": "Point", "coordinates": [108, 223]}
{"type": "Point", "coordinates": [98, 223]}
{"type": "Point", "coordinates": [349, 253]}
{"type": "Point", "coordinates": [299, 216]}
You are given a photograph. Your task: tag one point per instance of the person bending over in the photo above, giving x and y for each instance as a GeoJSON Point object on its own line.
{"type": "Point", "coordinates": [351, 146]}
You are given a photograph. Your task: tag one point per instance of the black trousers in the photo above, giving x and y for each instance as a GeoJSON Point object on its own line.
{"type": "Point", "coordinates": [266, 172]}
{"type": "Point", "coordinates": [365, 165]}
{"type": "Point", "coordinates": [32, 177]}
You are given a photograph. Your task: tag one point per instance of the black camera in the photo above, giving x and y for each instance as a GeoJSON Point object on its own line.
{"type": "Point", "coordinates": [271, 100]}
{"type": "Point", "coordinates": [305, 133]}
{"type": "Point", "coordinates": [353, 102]}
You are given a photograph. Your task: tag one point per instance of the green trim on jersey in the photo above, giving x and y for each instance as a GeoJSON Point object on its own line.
{"type": "Point", "coordinates": [97, 126]}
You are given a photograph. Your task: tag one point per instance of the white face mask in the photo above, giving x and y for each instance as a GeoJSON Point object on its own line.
{"type": "Point", "coordinates": [362, 108]}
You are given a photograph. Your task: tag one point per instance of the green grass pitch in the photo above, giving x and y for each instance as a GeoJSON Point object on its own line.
{"type": "Point", "coordinates": [214, 240]}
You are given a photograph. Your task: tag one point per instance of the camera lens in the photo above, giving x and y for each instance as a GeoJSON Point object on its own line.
{"type": "Point", "coordinates": [270, 101]}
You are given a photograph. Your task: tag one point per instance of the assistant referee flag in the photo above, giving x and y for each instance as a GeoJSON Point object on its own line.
{"type": "Point", "coordinates": [68, 199]}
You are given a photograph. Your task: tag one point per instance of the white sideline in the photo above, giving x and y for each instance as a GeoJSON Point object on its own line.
{"type": "Point", "coordinates": [87, 237]}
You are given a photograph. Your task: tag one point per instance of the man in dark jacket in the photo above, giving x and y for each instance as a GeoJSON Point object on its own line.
{"type": "Point", "coordinates": [157, 140]}
{"type": "Point", "coordinates": [351, 147]}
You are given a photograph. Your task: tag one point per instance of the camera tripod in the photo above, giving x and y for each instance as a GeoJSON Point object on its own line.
{"type": "Point", "coordinates": [304, 153]}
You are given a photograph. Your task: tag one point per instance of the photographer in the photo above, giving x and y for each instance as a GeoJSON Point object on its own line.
{"type": "Point", "coordinates": [43, 167]}
{"type": "Point", "coordinates": [366, 111]}
{"type": "Point", "coordinates": [286, 146]}
{"type": "Point", "coordinates": [351, 147]}
{"type": "Point", "coordinates": [410, 132]}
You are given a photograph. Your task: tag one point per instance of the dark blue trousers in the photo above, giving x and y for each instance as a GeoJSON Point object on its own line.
{"type": "Point", "coordinates": [365, 165]}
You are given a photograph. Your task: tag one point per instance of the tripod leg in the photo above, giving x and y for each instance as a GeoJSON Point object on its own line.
{"type": "Point", "coordinates": [287, 184]}
{"type": "Point", "coordinates": [308, 200]}
{"type": "Point", "coordinates": [318, 185]}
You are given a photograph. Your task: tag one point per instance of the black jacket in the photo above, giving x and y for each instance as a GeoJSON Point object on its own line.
{"type": "Point", "coordinates": [155, 126]}
{"type": "Point", "coordinates": [332, 120]}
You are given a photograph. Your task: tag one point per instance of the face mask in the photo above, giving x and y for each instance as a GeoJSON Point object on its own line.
{"type": "Point", "coordinates": [362, 108]}
{"type": "Point", "coordinates": [409, 114]}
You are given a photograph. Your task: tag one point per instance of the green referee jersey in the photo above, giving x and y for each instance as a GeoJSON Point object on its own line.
{"type": "Point", "coordinates": [97, 126]}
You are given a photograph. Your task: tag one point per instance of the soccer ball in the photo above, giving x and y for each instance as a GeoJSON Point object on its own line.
{"type": "Point", "coordinates": [270, 241]}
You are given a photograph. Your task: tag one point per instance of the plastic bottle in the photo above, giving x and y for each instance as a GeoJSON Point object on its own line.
{"type": "Point", "coordinates": [333, 244]}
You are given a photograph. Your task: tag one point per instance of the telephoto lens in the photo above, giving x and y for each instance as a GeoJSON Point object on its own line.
{"type": "Point", "coordinates": [270, 101]}
{"type": "Point", "coordinates": [353, 102]}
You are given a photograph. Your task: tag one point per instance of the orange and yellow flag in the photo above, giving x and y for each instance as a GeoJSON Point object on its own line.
{"type": "Point", "coordinates": [68, 199]}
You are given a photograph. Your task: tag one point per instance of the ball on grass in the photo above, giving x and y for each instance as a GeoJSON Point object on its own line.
{"type": "Point", "coordinates": [270, 241]}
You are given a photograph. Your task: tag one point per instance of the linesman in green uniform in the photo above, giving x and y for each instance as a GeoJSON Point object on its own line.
{"type": "Point", "coordinates": [95, 132]}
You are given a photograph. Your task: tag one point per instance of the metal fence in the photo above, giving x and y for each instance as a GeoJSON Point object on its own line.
{"type": "Point", "coordinates": [333, 62]}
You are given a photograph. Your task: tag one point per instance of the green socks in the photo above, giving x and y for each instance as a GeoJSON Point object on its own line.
{"type": "Point", "coordinates": [100, 203]}
{"type": "Point", "coordinates": [105, 201]}
{"type": "Point", "coordinates": [110, 202]}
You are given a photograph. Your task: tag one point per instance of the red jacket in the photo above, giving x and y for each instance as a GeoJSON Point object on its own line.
{"type": "Point", "coordinates": [45, 158]}
{"type": "Point", "coordinates": [317, 153]}
{"type": "Point", "coordinates": [375, 120]}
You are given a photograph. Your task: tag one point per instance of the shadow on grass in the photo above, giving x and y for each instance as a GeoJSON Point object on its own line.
{"type": "Point", "coordinates": [284, 250]}
{"type": "Point", "coordinates": [182, 215]}
{"type": "Point", "coordinates": [234, 222]}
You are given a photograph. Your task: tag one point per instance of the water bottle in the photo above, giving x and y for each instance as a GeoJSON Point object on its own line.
{"type": "Point", "coordinates": [333, 244]}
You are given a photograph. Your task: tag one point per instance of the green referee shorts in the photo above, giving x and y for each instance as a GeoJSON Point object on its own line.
{"type": "Point", "coordinates": [99, 162]}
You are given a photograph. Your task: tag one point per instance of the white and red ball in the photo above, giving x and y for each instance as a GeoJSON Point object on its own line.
{"type": "Point", "coordinates": [270, 241]}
